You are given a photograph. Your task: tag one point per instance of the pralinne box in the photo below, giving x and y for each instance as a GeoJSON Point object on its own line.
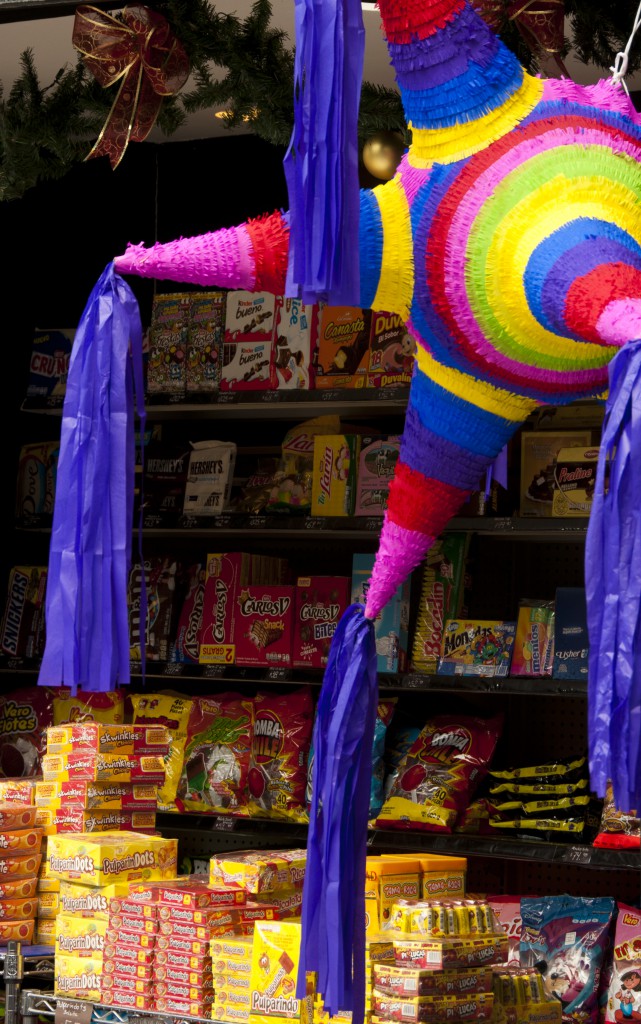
{"type": "Point", "coordinates": [376, 466]}
{"type": "Point", "coordinates": [225, 575]}
{"type": "Point", "coordinates": [574, 482]}
{"type": "Point", "coordinates": [320, 602]}
{"type": "Point", "coordinates": [442, 595]}
{"type": "Point", "coordinates": [391, 351]}
{"type": "Point", "coordinates": [209, 477]}
{"type": "Point", "coordinates": [343, 347]}
{"type": "Point", "coordinates": [539, 451]}
{"type": "Point", "coordinates": [205, 341]}
{"type": "Point", "coordinates": [393, 621]}
{"type": "Point", "coordinates": [296, 344]}
{"type": "Point", "coordinates": [335, 472]}
{"type": "Point", "coordinates": [248, 348]}
{"type": "Point", "coordinates": [263, 626]}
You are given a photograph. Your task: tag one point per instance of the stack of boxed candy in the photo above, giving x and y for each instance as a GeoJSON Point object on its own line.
{"type": "Point", "coordinates": [93, 868]}
{"type": "Point", "coordinates": [274, 976]}
{"type": "Point", "coordinates": [100, 778]}
{"type": "Point", "coordinates": [20, 856]}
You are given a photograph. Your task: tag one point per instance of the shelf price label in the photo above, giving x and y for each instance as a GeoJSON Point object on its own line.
{"type": "Point", "coordinates": [73, 1011]}
{"type": "Point", "coordinates": [316, 523]}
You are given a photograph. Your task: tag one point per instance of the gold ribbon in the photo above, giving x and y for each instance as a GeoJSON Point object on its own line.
{"type": "Point", "coordinates": [140, 50]}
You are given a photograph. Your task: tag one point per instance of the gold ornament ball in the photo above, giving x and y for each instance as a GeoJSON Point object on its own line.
{"type": "Point", "coordinates": [382, 154]}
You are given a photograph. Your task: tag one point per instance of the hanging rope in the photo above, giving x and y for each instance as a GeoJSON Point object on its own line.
{"type": "Point", "coordinates": [620, 67]}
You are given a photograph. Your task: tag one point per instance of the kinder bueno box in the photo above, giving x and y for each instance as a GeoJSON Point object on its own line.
{"type": "Point", "coordinates": [263, 625]}
{"type": "Point", "coordinates": [343, 347]}
{"type": "Point", "coordinates": [391, 351]}
{"type": "Point", "coordinates": [248, 347]}
{"type": "Point", "coordinates": [225, 575]}
{"type": "Point", "coordinates": [320, 602]}
{"type": "Point", "coordinates": [49, 364]}
{"type": "Point", "coordinates": [376, 466]}
{"type": "Point", "coordinates": [296, 343]}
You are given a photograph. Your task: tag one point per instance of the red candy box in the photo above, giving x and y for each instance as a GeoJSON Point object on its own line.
{"type": "Point", "coordinates": [320, 602]}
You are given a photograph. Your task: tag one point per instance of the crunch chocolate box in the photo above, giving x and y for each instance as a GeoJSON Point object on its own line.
{"type": "Point", "coordinates": [320, 602]}
{"type": "Point", "coordinates": [49, 363]}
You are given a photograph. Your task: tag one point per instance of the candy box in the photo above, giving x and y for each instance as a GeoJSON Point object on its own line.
{"type": "Point", "coordinates": [442, 597]}
{"type": "Point", "coordinates": [87, 900]}
{"type": "Point", "coordinates": [194, 947]}
{"type": "Point", "coordinates": [534, 643]}
{"type": "Point", "coordinates": [225, 575]}
{"type": "Point", "coordinates": [209, 478]}
{"type": "Point", "coordinates": [129, 954]}
{"type": "Point", "coordinates": [335, 471]}
{"type": "Point", "coordinates": [80, 936]}
{"type": "Point", "coordinates": [160, 577]}
{"type": "Point", "coordinates": [165, 475]}
{"type": "Point", "coordinates": [343, 347]}
{"type": "Point", "coordinates": [386, 881]}
{"type": "Point", "coordinates": [320, 602]}
{"type": "Point", "coordinates": [166, 366]}
{"type": "Point", "coordinates": [86, 765]}
{"type": "Point", "coordinates": [434, 954]}
{"type": "Point", "coordinates": [248, 349]}
{"type": "Point", "coordinates": [36, 485]}
{"type": "Point", "coordinates": [262, 871]}
{"type": "Point", "coordinates": [18, 909]}
{"type": "Point", "coordinates": [235, 949]}
{"type": "Point", "coordinates": [133, 923]}
{"type": "Point", "coordinates": [392, 623]}
{"type": "Point", "coordinates": [107, 739]}
{"type": "Point", "coordinates": [391, 351]}
{"type": "Point", "coordinates": [183, 975]}
{"type": "Point", "coordinates": [19, 865]}
{"type": "Point", "coordinates": [49, 364]}
{"type": "Point", "coordinates": [112, 857]}
{"type": "Point", "coordinates": [183, 1007]}
{"type": "Point", "coordinates": [17, 816]}
{"type": "Point", "coordinates": [539, 451]}
{"type": "Point", "coordinates": [45, 932]}
{"type": "Point", "coordinates": [122, 905]}
{"type": "Point", "coordinates": [624, 989]}
{"type": "Point", "coordinates": [410, 982]}
{"type": "Point", "coordinates": [168, 958]}
{"type": "Point", "coordinates": [296, 342]}
{"type": "Point", "coordinates": [20, 841]}
{"type": "Point", "coordinates": [477, 648]}
{"type": "Point", "coordinates": [570, 634]}
{"type": "Point", "coordinates": [507, 910]}
{"type": "Point", "coordinates": [20, 791]}
{"type": "Point", "coordinates": [376, 465]}
{"type": "Point", "coordinates": [186, 646]}
{"type": "Point", "coordinates": [48, 905]}
{"type": "Point", "coordinates": [18, 889]}
{"type": "Point", "coordinates": [124, 982]}
{"type": "Point", "coordinates": [23, 621]}
{"type": "Point", "coordinates": [77, 977]}
{"type": "Point", "coordinates": [205, 341]}
{"type": "Point", "coordinates": [263, 631]}
{"type": "Point", "coordinates": [434, 1009]}
{"type": "Point", "coordinates": [275, 959]}
{"type": "Point", "coordinates": [45, 884]}
{"type": "Point", "coordinates": [118, 937]}
{"type": "Point", "coordinates": [98, 796]}
{"type": "Point", "coordinates": [125, 969]}
{"type": "Point", "coordinates": [196, 894]}
{"type": "Point", "coordinates": [574, 482]}
{"type": "Point", "coordinates": [130, 1000]}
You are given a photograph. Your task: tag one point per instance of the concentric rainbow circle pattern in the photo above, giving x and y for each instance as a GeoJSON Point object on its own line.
{"type": "Point", "coordinates": [548, 220]}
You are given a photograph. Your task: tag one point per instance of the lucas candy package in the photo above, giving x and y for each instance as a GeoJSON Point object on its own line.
{"type": "Point", "coordinates": [624, 989]}
{"type": "Point", "coordinates": [281, 738]}
{"type": "Point", "coordinates": [214, 775]}
{"type": "Point", "coordinates": [441, 772]}
{"type": "Point", "coordinates": [566, 939]}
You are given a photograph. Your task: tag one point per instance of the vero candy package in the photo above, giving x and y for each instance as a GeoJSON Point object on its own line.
{"type": "Point", "coordinates": [263, 625]}
{"type": "Point", "coordinates": [295, 351]}
{"type": "Point", "coordinates": [566, 939]}
{"type": "Point", "coordinates": [376, 466]}
{"type": "Point", "coordinates": [320, 602]}
{"type": "Point", "coordinates": [392, 622]}
{"type": "Point", "coordinates": [248, 347]}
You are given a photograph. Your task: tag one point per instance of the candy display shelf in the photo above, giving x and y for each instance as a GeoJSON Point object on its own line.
{"type": "Point", "coordinates": [43, 1005]}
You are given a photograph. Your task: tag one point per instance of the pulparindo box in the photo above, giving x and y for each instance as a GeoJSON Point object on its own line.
{"type": "Point", "coordinates": [92, 767]}
{"type": "Point", "coordinates": [98, 796]}
{"type": "Point", "coordinates": [111, 857]}
{"type": "Point", "coordinates": [275, 960]}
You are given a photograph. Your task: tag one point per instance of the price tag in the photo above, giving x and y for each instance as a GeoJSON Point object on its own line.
{"type": "Point", "coordinates": [330, 396]}
{"type": "Point", "coordinates": [213, 671]}
{"type": "Point", "coordinates": [373, 524]}
{"type": "Point", "coordinates": [502, 523]}
{"type": "Point", "coordinates": [316, 523]}
{"type": "Point", "coordinates": [224, 824]}
{"type": "Point", "coordinates": [73, 1011]}
{"type": "Point", "coordinates": [223, 522]}
{"type": "Point", "coordinates": [276, 675]}
{"type": "Point", "coordinates": [227, 398]}
{"type": "Point", "coordinates": [174, 668]}
{"type": "Point", "coordinates": [270, 396]}
{"type": "Point", "coordinates": [258, 522]}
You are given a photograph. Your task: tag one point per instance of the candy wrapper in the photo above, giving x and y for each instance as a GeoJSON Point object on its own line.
{"type": "Point", "coordinates": [566, 939]}
{"type": "Point", "coordinates": [477, 648]}
{"type": "Point", "coordinates": [166, 366]}
{"type": "Point", "coordinates": [160, 581]}
{"type": "Point", "coordinates": [534, 644]}
{"type": "Point", "coordinates": [623, 1001]}
{"type": "Point", "coordinates": [173, 712]}
{"type": "Point", "coordinates": [507, 911]}
{"type": "Point", "coordinates": [440, 773]}
{"type": "Point", "coordinates": [36, 486]}
{"type": "Point", "coordinates": [291, 489]}
{"type": "Point", "coordinates": [214, 776]}
{"type": "Point", "coordinates": [400, 740]}
{"type": "Point", "coordinates": [618, 829]}
{"type": "Point", "coordinates": [23, 623]}
{"type": "Point", "coordinates": [49, 364]}
{"type": "Point", "coordinates": [442, 594]}
{"type": "Point", "coordinates": [281, 739]}
{"type": "Point", "coordinates": [108, 707]}
{"type": "Point", "coordinates": [25, 715]}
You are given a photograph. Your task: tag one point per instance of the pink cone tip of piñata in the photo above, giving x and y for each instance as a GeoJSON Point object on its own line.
{"type": "Point", "coordinates": [400, 551]}
{"type": "Point", "coordinates": [220, 258]}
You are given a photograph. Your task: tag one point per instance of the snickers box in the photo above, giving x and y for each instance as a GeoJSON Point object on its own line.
{"type": "Point", "coordinates": [320, 602]}
{"type": "Point", "coordinates": [263, 628]}
{"type": "Point", "coordinates": [23, 623]}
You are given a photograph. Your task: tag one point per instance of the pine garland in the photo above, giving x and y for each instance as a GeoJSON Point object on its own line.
{"type": "Point", "coordinates": [245, 66]}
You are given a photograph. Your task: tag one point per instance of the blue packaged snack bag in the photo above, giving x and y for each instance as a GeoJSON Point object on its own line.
{"type": "Point", "coordinates": [566, 938]}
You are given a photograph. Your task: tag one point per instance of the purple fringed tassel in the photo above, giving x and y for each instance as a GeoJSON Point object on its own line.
{"type": "Point", "coordinates": [333, 922]}
{"type": "Point", "coordinates": [321, 164]}
{"type": "Point", "coordinates": [613, 590]}
{"type": "Point", "coordinates": [86, 605]}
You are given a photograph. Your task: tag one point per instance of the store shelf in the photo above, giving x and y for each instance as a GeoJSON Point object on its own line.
{"type": "Point", "coordinates": [506, 849]}
{"type": "Point", "coordinates": [281, 405]}
{"type": "Point", "coordinates": [43, 1005]}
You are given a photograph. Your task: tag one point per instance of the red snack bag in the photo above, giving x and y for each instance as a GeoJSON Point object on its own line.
{"type": "Point", "coordinates": [619, 830]}
{"type": "Point", "coordinates": [441, 772]}
{"type": "Point", "coordinates": [25, 715]}
{"type": "Point", "coordinates": [214, 776]}
{"type": "Point", "coordinates": [281, 737]}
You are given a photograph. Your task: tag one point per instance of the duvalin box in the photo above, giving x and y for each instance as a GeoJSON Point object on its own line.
{"type": "Point", "coordinates": [391, 351]}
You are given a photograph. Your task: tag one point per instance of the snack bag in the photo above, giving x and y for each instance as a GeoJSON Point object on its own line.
{"type": "Point", "coordinates": [281, 738]}
{"type": "Point", "coordinates": [160, 583]}
{"type": "Point", "coordinates": [25, 715]}
{"type": "Point", "coordinates": [399, 742]}
{"type": "Point", "coordinates": [172, 712]}
{"type": "Point", "coordinates": [108, 708]}
{"type": "Point", "coordinates": [566, 938]}
{"type": "Point", "coordinates": [214, 775]}
{"type": "Point", "coordinates": [507, 911]}
{"type": "Point", "coordinates": [384, 714]}
{"type": "Point", "coordinates": [624, 989]}
{"type": "Point", "coordinates": [619, 829]}
{"type": "Point", "coordinates": [291, 489]}
{"type": "Point", "coordinates": [186, 646]}
{"type": "Point", "coordinates": [441, 772]}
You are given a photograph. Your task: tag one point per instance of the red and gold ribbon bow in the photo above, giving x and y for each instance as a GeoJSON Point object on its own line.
{"type": "Point", "coordinates": [140, 50]}
{"type": "Point", "coordinates": [540, 22]}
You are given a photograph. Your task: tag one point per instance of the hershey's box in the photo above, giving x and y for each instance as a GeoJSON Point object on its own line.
{"type": "Point", "coordinates": [209, 477]}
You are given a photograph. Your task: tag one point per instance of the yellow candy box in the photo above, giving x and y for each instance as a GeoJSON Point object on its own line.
{"type": "Point", "coordinates": [104, 858]}
{"type": "Point", "coordinates": [275, 959]}
{"type": "Point", "coordinates": [89, 900]}
{"type": "Point", "coordinates": [77, 978]}
{"type": "Point", "coordinates": [80, 936]}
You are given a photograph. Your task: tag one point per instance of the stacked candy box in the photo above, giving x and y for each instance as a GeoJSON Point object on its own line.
{"type": "Point", "coordinates": [274, 975]}
{"type": "Point", "coordinates": [20, 856]}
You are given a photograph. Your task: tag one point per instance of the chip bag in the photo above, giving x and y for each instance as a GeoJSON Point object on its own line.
{"type": "Point", "coordinates": [25, 715]}
{"type": "Point", "coordinates": [281, 739]}
{"type": "Point", "coordinates": [172, 712]}
{"type": "Point", "coordinates": [291, 489]}
{"type": "Point", "coordinates": [214, 775]}
{"type": "Point", "coordinates": [441, 772]}
{"type": "Point", "coordinates": [108, 708]}
{"type": "Point", "coordinates": [566, 938]}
